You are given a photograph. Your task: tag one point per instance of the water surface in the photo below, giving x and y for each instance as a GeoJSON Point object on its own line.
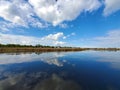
{"type": "Point", "coordinates": [85, 70]}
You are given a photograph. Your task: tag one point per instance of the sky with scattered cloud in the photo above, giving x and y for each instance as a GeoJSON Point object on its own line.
{"type": "Point", "coordinates": [94, 23]}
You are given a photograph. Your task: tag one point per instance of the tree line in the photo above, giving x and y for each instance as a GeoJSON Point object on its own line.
{"type": "Point", "coordinates": [43, 46]}
{"type": "Point", "coordinates": [35, 46]}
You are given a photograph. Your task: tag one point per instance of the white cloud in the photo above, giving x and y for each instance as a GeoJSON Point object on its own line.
{"type": "Point", "coordinates": [73, 34]}
{"type": "Point", "coordinates": [53, 36]}
{"type": "Point", "coordinates": [52, 39]}
{"type": "Point", "coordinates": [19, 12]}
{"type": "Point", "coordinates": [58, 11]}
{"type": "Point", "coordinates": [63, 25]}
{"type": "Point", "coordinates": [37, 13]}
{"type": "Point", "coordinates": [111, 6]}
{"type": "Point", "coordinates": [70, 35]}
{"type": "Point", "coordinates": [111, 39]}
{"type": "Point", "coordinates": [6, 27]}
{"type": "Point", "coordinates": [14, 11]}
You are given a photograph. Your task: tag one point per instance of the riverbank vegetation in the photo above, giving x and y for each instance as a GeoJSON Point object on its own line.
{"type": "Point", "coordinates": [36, 48]}
{"type": "Point", "coordinates": [42, 48]}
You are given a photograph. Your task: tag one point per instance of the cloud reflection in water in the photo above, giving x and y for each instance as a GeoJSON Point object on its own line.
{"type": "Point", "coordinates": [89, 70]}
{"type": "Point", "coordinates": [49, 58]}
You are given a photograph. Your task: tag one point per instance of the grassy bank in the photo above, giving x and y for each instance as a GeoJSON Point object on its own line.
{"type": "Point", "coordinates": [40, 48]}
{"type": "Point", "coordinates": [37, 49]}
{"type": "Point", "coordinates": [31, 49]}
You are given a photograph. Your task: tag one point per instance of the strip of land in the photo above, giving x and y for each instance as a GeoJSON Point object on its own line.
{"type": "Point", "coordinates": [40, 48]}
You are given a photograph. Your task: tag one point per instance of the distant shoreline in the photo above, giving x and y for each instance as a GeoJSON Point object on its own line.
{"type": "Point", "coordinates": [32, 49]}
{"type": "Point", "coordinates": [39, 49]}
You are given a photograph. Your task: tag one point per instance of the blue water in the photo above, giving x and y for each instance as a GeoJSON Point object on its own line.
{"type": "Point", "coordinates": [85, 70]}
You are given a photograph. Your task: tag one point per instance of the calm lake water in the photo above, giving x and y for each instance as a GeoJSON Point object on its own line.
{"type": "Point", "coordinates": [85, 70]}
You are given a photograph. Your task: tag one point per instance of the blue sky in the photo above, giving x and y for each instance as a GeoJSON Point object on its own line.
{"type": "Point", "coordinates": [95, 23]}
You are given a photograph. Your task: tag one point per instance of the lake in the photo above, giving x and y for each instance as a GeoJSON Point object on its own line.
{"type": "Point", "coordinates": [84, 70]}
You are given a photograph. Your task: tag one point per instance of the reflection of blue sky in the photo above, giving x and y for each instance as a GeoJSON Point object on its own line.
{"type": "Point", "coordinates": [33, 82]}
{"type": "Point", "coordinates": [53, 58]}
{"type": "Point", "coordinates": [50, 58]}
{"type": "Point", "coordinates": [55, 71]}
{"type": "Point", "coordinates": [111, 57]}
{"type": "Point", "coordinates": [57, 83]}
{"type": "Point", "coordinates": [14, 75]}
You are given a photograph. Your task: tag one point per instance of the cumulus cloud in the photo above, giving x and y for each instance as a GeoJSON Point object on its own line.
{"type": "Point", "coordinates": [38, 13]}
{"type": "Point", "coordinates": [19, 12]}
{"type": "Point", "coordinates": [51, 39]}
{"type": "Point", "coordinates": [53, 36]}
{"type": "Point", "coordinates": [111, 6]}
{"type": "Point", "coordinates": [14, 11]}
{"type": "Point", "coordinates": [58, 11]}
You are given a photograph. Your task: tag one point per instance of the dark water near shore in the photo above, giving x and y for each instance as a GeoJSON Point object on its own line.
{"type": "Point", "coordinates": [85, 70]}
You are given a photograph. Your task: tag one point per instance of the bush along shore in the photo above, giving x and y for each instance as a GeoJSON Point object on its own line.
{"type": "Point", "coordinates": [41, 48]}
{"type": "Point", "coordinates": [36, 48]}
